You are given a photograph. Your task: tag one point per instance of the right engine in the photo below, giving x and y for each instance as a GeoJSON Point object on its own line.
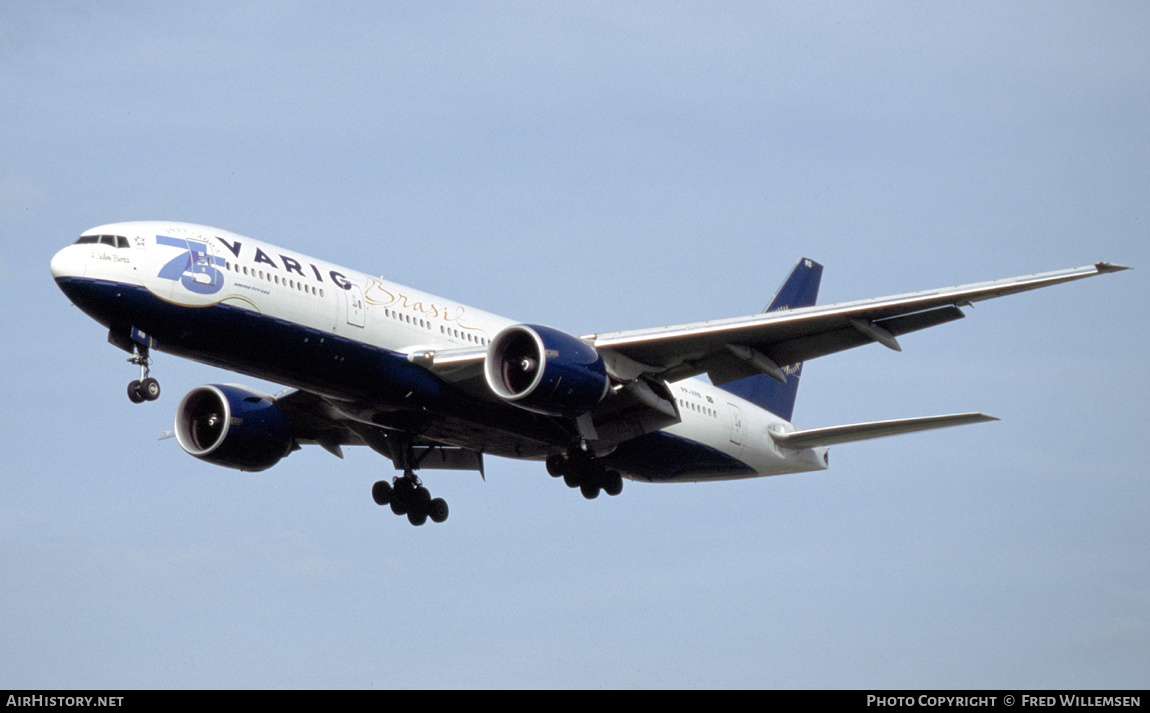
{"type": "Point", "coordinates": [233, 426]}
{"type": "Point", "coordinates": [544, 370]}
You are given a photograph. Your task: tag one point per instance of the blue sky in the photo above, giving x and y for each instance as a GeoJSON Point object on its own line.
{"type": "Point", "coordinates": [595, 166]}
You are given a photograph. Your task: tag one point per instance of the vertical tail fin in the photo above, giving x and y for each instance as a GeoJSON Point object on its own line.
{"type": "Point", "coordinates": [800, 289]}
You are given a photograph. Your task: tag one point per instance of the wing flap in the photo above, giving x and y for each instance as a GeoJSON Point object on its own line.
{"type": "Point", "coordinates": [849, 337]}
{"type": "Point", "coordinates": [315, 421]}
{"type": "Point", "coordinates": [726, 366]}
{"type": "Point", "coordinates": [833, 435]}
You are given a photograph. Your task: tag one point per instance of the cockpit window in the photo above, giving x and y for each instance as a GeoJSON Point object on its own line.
{"type": "Point", "coordinates": [115, 241]}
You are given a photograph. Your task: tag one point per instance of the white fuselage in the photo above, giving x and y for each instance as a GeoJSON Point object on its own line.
{"type": "Point", "coordinates": [191, 268]}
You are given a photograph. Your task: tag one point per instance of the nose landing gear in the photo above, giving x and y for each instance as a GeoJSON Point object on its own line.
{"type": "Point", "coordinates": [145, 388]}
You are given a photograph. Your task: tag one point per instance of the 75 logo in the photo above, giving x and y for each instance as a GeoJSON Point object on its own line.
{"type": "Point", "coordinates": [195, 268]}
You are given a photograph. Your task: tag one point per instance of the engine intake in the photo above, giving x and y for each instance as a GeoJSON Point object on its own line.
{"type": "Point", "coordinates": [544, 370]}
{"type": "Point", "coordinates": [233, 426]}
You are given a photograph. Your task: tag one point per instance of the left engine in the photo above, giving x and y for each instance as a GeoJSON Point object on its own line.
{"type": "Point", "coordinates": [544, 370]}
{"type": "Point", "coordinates": [233, 426]}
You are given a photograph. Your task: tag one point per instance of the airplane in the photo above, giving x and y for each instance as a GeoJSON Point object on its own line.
{"type": "Point", "coordinates": [434, 384]}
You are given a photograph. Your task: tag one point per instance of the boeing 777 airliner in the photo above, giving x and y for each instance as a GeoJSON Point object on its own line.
{"type": "Point", "coordinates": [431, 383]}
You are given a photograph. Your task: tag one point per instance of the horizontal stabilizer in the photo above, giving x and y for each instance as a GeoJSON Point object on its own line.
{"type": "Point", "coordinates": [833, 435]}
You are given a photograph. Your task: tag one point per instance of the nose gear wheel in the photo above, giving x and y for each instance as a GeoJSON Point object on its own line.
{"type": "Point", "coordinates": [145, 388]}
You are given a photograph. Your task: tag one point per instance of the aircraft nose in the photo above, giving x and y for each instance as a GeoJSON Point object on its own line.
{"type": "Point", "coordinates": [68, 262]}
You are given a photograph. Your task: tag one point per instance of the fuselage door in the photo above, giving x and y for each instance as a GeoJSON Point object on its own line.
{"type": "Point", "coordinates": [201, 264]}
{"type": "Point", "coordinates": [355, 306]}
{"type": "Point", "coordinates": [736, 424]}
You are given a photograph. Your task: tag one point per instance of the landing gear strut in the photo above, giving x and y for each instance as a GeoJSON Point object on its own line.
{"type": "Point", "coordinates": [145, 388]}
{"type": "Point", "coordinates": [580, 469]}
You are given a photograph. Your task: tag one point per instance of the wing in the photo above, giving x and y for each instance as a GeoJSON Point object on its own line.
{"type": "Point", "coordinates": [315, 420]}
{"type": "Point", "coordinates": [729, 349]}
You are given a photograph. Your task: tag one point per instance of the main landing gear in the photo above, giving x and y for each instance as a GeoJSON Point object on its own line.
{"type": "Point", "coordinates": [407, 496]}
{"type": "Point", "coordinates": [145, 388]}
{"type": "Point", "coordinates": [580, 469]}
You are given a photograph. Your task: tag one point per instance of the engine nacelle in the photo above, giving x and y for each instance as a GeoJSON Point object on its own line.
{"type": "Point", "coordinates": [233, 426]}
{"type": "Point", "coordinates": [544, 370]}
